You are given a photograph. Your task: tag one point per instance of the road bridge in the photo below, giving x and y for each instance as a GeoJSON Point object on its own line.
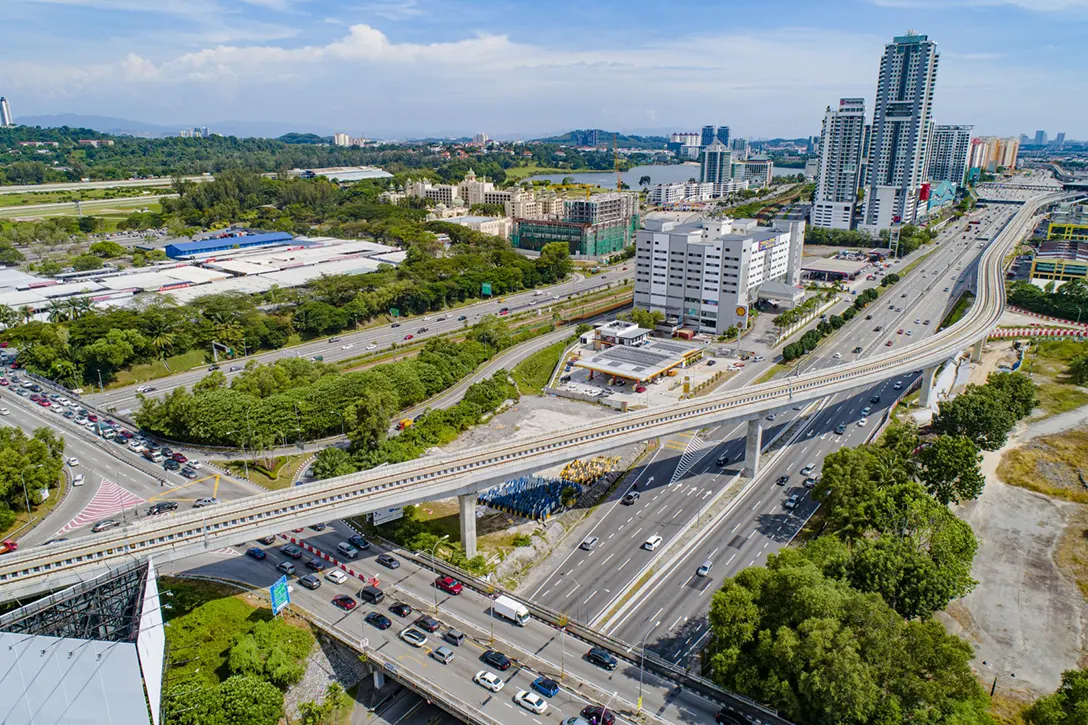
{"type": "Point", "coordinates": [464, 473]}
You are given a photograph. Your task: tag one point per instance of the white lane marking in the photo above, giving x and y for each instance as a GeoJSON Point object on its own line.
{"type": "Point", "coordinates": [623, 564]}
{"type": "Point", "coordinates": [572, 591]}
{"type": "Point", "coordinates": [589, 597]}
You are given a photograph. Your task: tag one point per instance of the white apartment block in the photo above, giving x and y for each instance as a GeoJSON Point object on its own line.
{"type": "Point", "coordinates": [666, 194]}
{"type": "Point", "coordinates": [949, 149]}
{"type": "Point", "coordinates": [902, 118]}
{"type": "Point", "coordinates": [842, 138]}
{"type": "Point", "coordinates": [758, 172]}
{"type": "Point", "coordinates": [516, 202]}
{"type": "Point", "coordinates": [698, 275]}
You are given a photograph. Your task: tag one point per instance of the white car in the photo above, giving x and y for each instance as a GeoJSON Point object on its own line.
{"type": "Point", "coordinates": [531, 701]}
{"type": "Point", "coordinates": [413, 637]}
{"type": "Point", "coordinates": [898, 385]}
{"type": "Point", "coordinates": [372, 346]}
{"type": "Point", "coordinates": [73, 461]}
{"type": "Point", "coordinates": [863, 422]}
{"type": "Point", "coordinates": [336, 576]}
{"type": "Point", "coordinates": [4, 411]}
{"type": "Point", "coordinates": [792, 501]}
{"type": "Point", "coordinates": [78, 479]}
{"type": "Point", "coordinates": [866, 410]}
{"type": "Point", "coordinates": [837, 355]}
{"type": "Point", "coordinates": [194, 464]}
{"type": "Point", "coordinates": [488, 680]}
{"type": "Point", "coordinates": [346, 347]}
{"type": "Point", "coordinates": [141, 389]}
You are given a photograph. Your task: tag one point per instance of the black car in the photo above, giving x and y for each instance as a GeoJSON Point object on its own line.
{"type": "Point", "coordinates": [427, 624]}
{"type": "Point", "coordinates": [857, 350]}
{"type": "Point", "coordinates": [379, 620]}
{"type": "Point", "coordinates": [212, 368]}
{"type": "Point", "coordinates": [309, 581]}
{"type": "Point", "coordinates": [874, 399]}
{"type": "Point", "coordinates": [401, 609]}
{"type": "Point", "coordinates": [496, 659]}
{"type": "Point", "coordinates": [462, 318]}
{"type": "Point", "coordinates": [630, 498]}
{"type": "Point", "coordinates": [602, 658]}
{"type": "Point", "coordinates": [421, 330]}
{"type": "Point", "coordinates": [597, 715]}
{"type": "Point", "coordinates": [783, 480]}
{"type": "Point", "coordinates": [256, 553]}
{"type": "Point", "coordinates": [171, 465]}
{"type": "Point", "coordinates": [316, 564]}
{"type": "Point", "coordinates": [358, 542]}
{"type": "Point", "coordinates": [161, 506]}
{"type": "Point", "coordinates": [319, 527]}
{"type": "Point", "coordinates": [389, 561]}
{"type": "Point", "coordinates": [395, 324]}
{"type": "Point", "coordinates": [268, 540]}
{"type": "Point", "coordinates": [840, 428]}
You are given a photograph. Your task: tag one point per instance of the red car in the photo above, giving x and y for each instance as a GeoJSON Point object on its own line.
{"type": "Point", "coordinates": [93, 418]}
{"type": "Point", "coordinates": [504, 311]}
{"type": "Point", "coordinates": [7, 547]}
{"type": "Point", "coordinates": [408, 337]}
{"type": "Point", "coordinates": [180, 458]}
{"type": "Point", "coordinates": [44, 403]}
{"type": "Point", "coordinates": [4, 382]}
{"type": "Point", "coordinates": [343, 601]}
{"type": "Point", "coordinates": [448, 584]}
{"type": "Point", "coordinates": [888, 343]}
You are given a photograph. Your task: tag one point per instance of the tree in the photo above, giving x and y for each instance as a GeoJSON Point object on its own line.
{"type": "Point", "coordinates": [367, 420]}
{"type": "Point", "coordinates": [979, 414]}
{"type": "Point", "coordinates": [1078, 369]}
{"type": "Point", "coordinates": [949, 469]}
{"type": "Point", "coordinates": [555, 260]}
{"type": "Point", "coordinates": [107, 250]}
{"type": "Point", "coordinates": [85, 262]}
{"type": "Point", "coordinates": [644, 181]}
{"type": "Point", "coordinates": [1016, 389]}
{"type": "Point", "coordinates": [1067, 706]}
{"type": "Point", "coordinates": [332, 462]}
{"type": "Point", "coordinates": [646, 319]}
{"type": "Point", "coordinates": [328, 711]}
{"type": "Point", "coordinates": [238, 700]}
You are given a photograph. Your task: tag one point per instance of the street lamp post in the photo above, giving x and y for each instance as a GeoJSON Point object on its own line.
{"type": "Point", "coordinates": [642, 662]}
{"type": "Point", "coordinates": [434, 567]}
{"type": "Point", "coordinates": [245, 463]}
{"type": "Point", "coordinates": [563, 621]}
{"type": "Point", "coordinates": [26, 493]}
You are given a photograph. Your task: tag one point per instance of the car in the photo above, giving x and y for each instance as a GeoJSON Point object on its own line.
{"type": "Point", "coordinates": [792, 501]}
{"type": "Point", "coordinates": [443, 654]}
{"type": "Point", "coordinates": [336, 576]}
{"type": "Point", "coordinates": [811, 481]}
{"type": "Point", "coordinates": [349, 346]}
{"type": "Point", "coordinates": [866, 410]}
{"type": "Point", "coordinates": [597, 715]}
{"type": "Point", "coordinates": [546, 686]}
{"type": "Point", "coordinates": [161, 506]}
{"type": "Point", "coordinates": [388, 561]}
{"type": "Point", "coordinates": [179, 457]}
{"type": "Point", "coordinates": [878, 328]}
{"type": "Point", "coordinates": [630, 497]}
{"type": "Point", "coordinates": [711, 363]}
{"type": "Point", "coordinates": [462, 318]}
{"type": "Point", "coordinates": [421, 330]}
{"type": "Point", "coordinates": [454, 636]}
{"type": "Point", "coordinates": [73, 461]}
{"type": "Point", "coordinates": [212, 368]}
{"type": "Point", "coordinates": [379, 620]}
{"type": "Point", "coordinates": [874, 399]}
{"type": "Point", "coordinates": [504, 311]}
{"type": "Point", "coordinates": [857, 350]}
{"type": "Point", "coordinates": [427, 624]}
{"type": "Point", "coordinates": [358, 542]}
{"type": "Point", "coordinates": [888, 343]}
{"type": "Point", "coordinates": [267, 540]}
{"type": "Point", "coordinates": [903, 295]}
{"type": "Point", "coordinates": [310, 581]}
{"type": "Point", "coordinates": [286, 567]}
{"type": "Point", "coordinates": [638, 389]}
{"type": "Point", "coordinates": [372, 346]}
{"type": "Point", "coordinates": [497, 660]}
{"type": "Point", "coordinates": [840, 428]}
{"type": "Point", "coordinates": [589, 543]}
{"type": "Point", "coordinates": [234, 368]}
{"type": "Point", "coordinates": [488, 680]}
{"type": "Point", "coordinates": [449, 585]}
{"type": "Point", "coordinates": [783, 480]}
{"type": "Point", "coordinates": [409, 337]}
{"type": "Point", "coordinates": [142, 388]}
{"type": "Point", "coordinates": [898, 385]}
{"type": "Point", "coordinates": [910, 332]}
{"type": "Point", "coordinates": [401, 609]}
{"type": "Point", "coordinates": [316, 564]}
{"type": "Point", "coordinates": [925, 322]}
{"type": "Point", "coordinates": [772, 416]}
{"type": "Point", "coordinates": [195, 465]}
{"type": "Point", "coordinates": [79, 479]}
{"type": "Point", "coordinates": [171, 465]}
{"type": "Point", "coordinates": [292, 551]}
{"type": "Point", "coordinates": [862, 422]}
{"type": "Point", "coordinates": [531, 701]}
{"type": "Point", "coordinates": [837, 355]}
{"type": "Point", "coordinates": [945, 289]}
{"type": "Point", "coordinates": [345, 602]}
{"type": "Point", "coordinates": [189, 472]}
{"type": "Point", "coordinates": [808, 469]}
{"type": "Point", "coordinates": [918, 321]}
{"type": "Point", "coordinates": [728, 717]}
{"type": "Point", "coordinates": [206, 501]}
{"type": "Point", "coordinates": [319, 527]}
{"type": "Point", "coordinates": [704, 568]}
{"type": "Point", "coordinates": [602, 658]}
{"type": "Point", "coordinates": [105, 525]}
{"type": "Point", "coordinates": [413, 637]}
{"type": "Point", "coordinates": [899, 331]}
{"type": "Point", "coordinates": [256, 553]}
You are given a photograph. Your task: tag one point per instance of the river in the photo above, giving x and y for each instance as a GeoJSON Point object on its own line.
{"type": "Point", "coordinates": [659, 174]}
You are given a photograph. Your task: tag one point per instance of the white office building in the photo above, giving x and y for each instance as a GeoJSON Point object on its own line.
{"type": "Point", "coordinates": [900, 136]}
{"type": "Point", "coordinates": [6, 118]}
{"type": "Point", "coordinates": [949, 151]}
{"type": "Point", "coordinates": [701, 275]}
{"type": "Point", "coordinates": [842, 138]}
{"type": "Point", "coordinates": [716, 163]}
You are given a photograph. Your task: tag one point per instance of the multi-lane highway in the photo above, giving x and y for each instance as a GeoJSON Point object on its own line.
{"type": "Point", "coordinates": [350, 345]}
{"type": "Point", "coordinates": [682, 476]}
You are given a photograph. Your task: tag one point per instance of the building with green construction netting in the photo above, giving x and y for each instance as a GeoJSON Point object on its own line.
{"type": "Point", "coordinates": [598, 226]}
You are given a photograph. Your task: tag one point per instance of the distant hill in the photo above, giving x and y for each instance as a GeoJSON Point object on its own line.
{"type": "Point", "coordinates": [102, 124]}
{"type": "Point", "coordinates": [600, 137]}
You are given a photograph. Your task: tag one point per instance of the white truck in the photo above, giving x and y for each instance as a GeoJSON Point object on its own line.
{"type": "Point", "coordinates": [507, 608]}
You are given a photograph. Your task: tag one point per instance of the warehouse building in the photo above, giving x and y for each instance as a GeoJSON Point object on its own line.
{"type": "Point", "coordinates": [226, 243]}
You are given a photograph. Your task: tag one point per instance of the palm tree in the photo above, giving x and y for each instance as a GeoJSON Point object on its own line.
{"type": "Point", "coordinates": [8, 316]}
{"type": "Point", "coordinates": [58, 311]}
{"type": "Point", "coordinates": [162, 340]}
{"type": "Point", "coordinates": [79, 306]}
{"type": "Point", "coordinates": [27, 312]}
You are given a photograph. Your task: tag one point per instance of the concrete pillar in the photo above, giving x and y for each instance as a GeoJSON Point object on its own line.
{"type": "Point", "coordinates": [379, 679]}
{"type": "Point", "coordinates": [468, 523]}
{"type": "Point", "coordinates": [926, 398]}
{"type": "Point", "coordinates": [752, 447]}
{"type": "Point", "coordinates": [976, 351]}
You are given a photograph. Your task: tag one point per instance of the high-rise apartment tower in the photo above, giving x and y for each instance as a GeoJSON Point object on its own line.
{"type": "Point", "coordinates": [842, 138]}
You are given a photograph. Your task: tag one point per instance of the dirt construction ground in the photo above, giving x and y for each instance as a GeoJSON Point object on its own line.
{"type": "Point", "coordinates": [1027, 618]}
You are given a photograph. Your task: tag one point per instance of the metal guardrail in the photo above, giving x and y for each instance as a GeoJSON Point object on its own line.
{"type": "Point", "coordinates": [750, 709]}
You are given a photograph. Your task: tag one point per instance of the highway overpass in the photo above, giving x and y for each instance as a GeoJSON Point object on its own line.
{"type": "Point", "coordinates": [464, 473]}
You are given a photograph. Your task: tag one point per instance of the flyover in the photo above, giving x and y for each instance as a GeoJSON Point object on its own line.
{"type": "Point", "coordinates": [466, 472]}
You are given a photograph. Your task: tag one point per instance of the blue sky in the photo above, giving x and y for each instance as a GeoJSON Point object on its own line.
{"type": "Point", "coordinates": [407, 67]}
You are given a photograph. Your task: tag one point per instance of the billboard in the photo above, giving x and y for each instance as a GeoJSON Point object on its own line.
{"type": "Point", "coordinates": [279, 594]}
{"type": "Point", "coordinates": [392, 513]}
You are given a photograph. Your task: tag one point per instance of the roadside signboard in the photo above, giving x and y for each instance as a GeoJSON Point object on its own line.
{"type": "Point", "coordinates": [280, 595]}
{"type": "Point", "coordinates": [485, 289]}
{"type": "Point", "coordinates": [393, 513]}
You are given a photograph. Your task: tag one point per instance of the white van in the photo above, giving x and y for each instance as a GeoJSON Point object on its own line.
{"type": "Point", "coordinates": [652, 543]}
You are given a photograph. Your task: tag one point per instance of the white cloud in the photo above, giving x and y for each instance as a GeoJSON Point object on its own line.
{"type": "Point", "coordinates": [392, 9]}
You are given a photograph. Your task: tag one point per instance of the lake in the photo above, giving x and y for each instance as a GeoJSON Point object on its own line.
{"type": "Point", "coordinates": [659, 174]}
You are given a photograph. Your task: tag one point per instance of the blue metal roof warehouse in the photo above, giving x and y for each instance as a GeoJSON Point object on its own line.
{"type": "Point", "coordinates": [184, 250]}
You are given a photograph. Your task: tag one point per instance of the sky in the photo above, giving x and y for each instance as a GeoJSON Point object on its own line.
{"type": "Point", "coordinates": [402, 68]}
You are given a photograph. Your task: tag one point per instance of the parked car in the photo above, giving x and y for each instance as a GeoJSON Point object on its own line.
{"type": "Point", "coordinates": [343, 601]}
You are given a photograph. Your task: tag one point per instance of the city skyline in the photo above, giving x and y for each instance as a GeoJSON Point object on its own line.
{"type": "Point", "coordinates": [414, 66]}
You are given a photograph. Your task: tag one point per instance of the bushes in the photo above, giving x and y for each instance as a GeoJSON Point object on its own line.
{"type": "Point", "coordinates": [1069, 302]}
{"type": "Point", "coordinates": [986, 414]}
{"type": "Point", "coordinates": [811, 339]}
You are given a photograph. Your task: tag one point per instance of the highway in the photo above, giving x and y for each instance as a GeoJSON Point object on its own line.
{"type": "Point", "coordinates": [469, 470]}
{"type": "Point", "coordinates": [81, 185]}
{"type": "Point", "coordinates": [536, 648]}
{"type": "Point", "coordinates": [350, 345]}
{"type": "Point", "coordinates": [586, 583]}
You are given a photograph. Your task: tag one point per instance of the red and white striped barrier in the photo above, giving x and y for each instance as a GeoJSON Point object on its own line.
{"type": "Point", "coordinates": [1020, 311]}
{"type": "Point", "coordinates": [1037, 332]}
{"type": "Point", "coordinates": [371, 580]}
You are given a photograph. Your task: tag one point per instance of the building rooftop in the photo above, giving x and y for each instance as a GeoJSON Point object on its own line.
{"type": "Point", "coordinates": [649, 360]}
{"type": "Point", "coordinates": [840, 266]}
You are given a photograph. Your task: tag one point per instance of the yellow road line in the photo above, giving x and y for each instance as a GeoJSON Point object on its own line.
{"type": "Point", "coordinates": [166, 494]}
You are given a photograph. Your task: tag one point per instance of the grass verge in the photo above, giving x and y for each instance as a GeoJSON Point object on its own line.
{"type": "Point", "coordinates": [1049, 465]}
{"type": "Point", "coordinates": [1057, 398]}
{"type": "Point", "coordinates": [1071, 555]}
{"type": "Point", "coordinates": [280, 475]}
{"type": "Point", "coordinates": [956, 313]}
{"type": "Point", "coordinates": [158, 369]}
{"type": "Point", "coordinates": [770, 372]}
{"type": "Point", "coordinates": [533, 373]}
{"type": "Point", "coordinates": [56, 495]}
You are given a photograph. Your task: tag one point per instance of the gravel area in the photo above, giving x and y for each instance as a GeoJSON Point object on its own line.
{"type": "Point", "coordinates": [329, 662]}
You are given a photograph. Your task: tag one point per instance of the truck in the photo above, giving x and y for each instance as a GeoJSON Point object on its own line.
{"type": "Point", "coordinates": [507, 608]}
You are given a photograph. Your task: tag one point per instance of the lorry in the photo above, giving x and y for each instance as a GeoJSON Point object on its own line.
{"type": "Point", "coordinates": [507, 608]}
